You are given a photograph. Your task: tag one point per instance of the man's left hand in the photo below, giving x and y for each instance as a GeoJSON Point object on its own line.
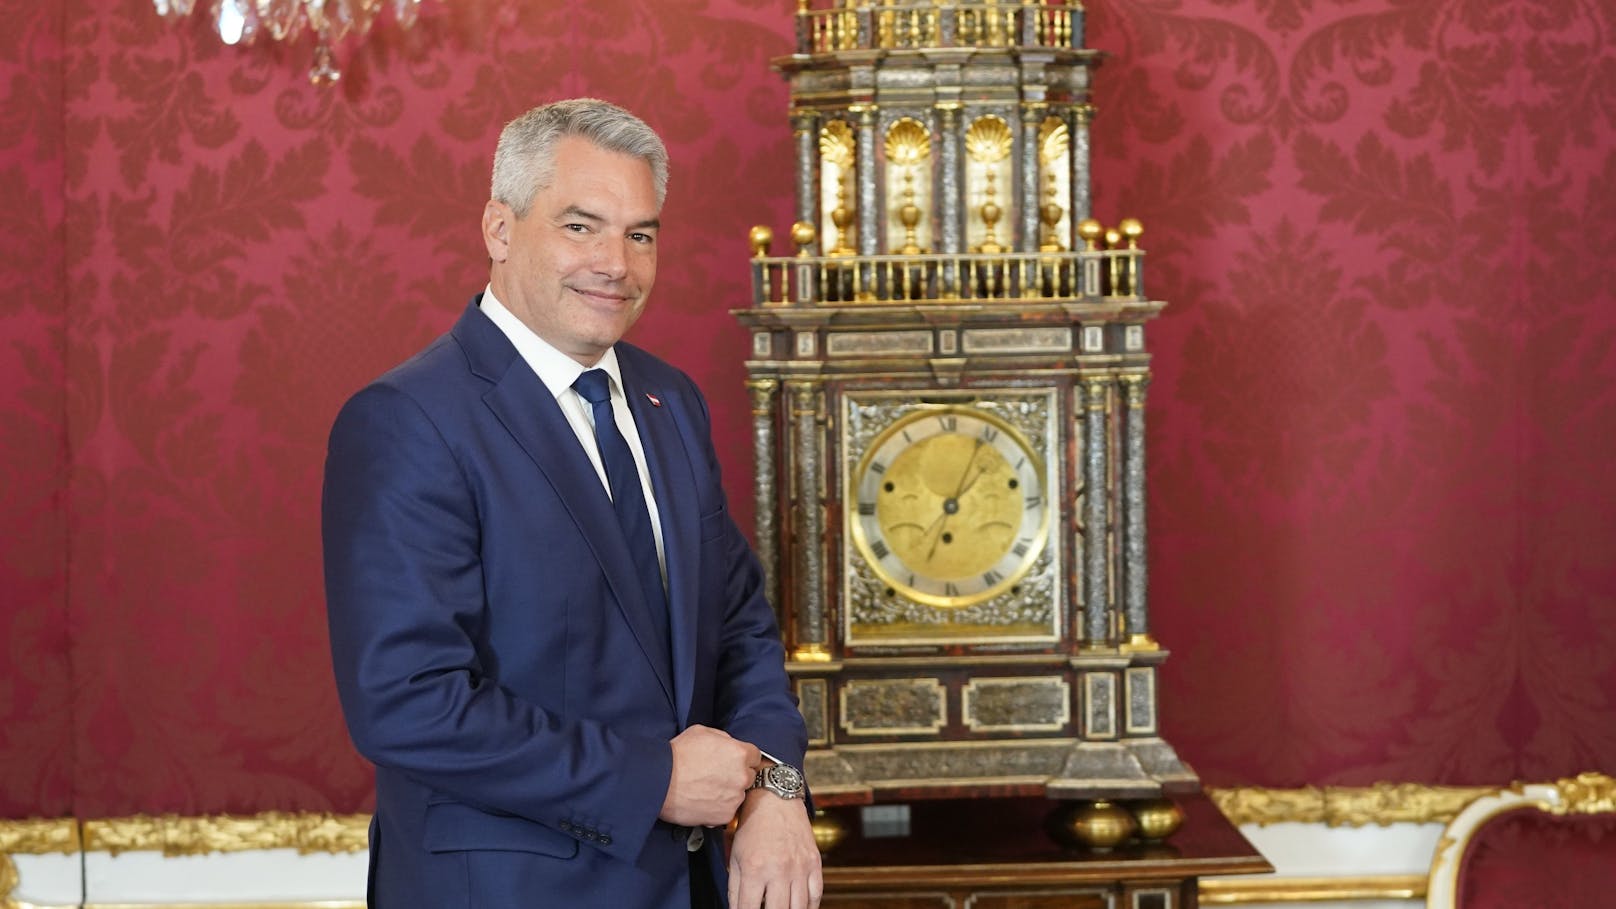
{"type": "Point", "coordinates": [773, 862]}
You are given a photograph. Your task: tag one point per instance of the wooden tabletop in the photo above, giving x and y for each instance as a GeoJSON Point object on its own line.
{"type": "Point", "coordinates": [987, 842]}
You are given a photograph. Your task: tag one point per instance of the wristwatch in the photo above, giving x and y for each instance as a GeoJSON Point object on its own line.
{"type": "Point", "coordinates": [780, 778]}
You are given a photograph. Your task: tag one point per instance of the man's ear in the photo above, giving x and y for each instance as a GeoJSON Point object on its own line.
{"type": "Point", "coordinates": [497, 220]}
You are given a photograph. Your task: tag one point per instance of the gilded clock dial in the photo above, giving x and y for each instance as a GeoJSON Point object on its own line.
{"type": "Point", "coordinates": [951, 506]}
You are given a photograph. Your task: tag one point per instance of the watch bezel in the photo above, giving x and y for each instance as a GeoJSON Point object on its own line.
{"type": "Point", "coordinates": [790, 787]}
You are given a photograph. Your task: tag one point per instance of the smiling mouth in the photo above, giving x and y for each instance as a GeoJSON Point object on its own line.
{"type": "Point", "coordinates": [608, 297]}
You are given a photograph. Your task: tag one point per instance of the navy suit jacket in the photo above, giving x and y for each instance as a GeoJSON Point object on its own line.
{"type": "Point", "coordinates": [493, 651]}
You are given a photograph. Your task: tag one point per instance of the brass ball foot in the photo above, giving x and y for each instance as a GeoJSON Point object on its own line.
{"type": "Point", "coordinates": [1157, 818]}
{"type": "Point", "coordinates": [829, 830]}
{"type": "Point", "coordinates": [1099, 825]}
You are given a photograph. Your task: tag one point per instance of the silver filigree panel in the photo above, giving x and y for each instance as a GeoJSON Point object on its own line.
{"type": "Point", "coordinates": [1099, 705]}
{"type": "Point", "coordinates": [1017, 340]}
{"type": "Point", "coordinates": [894, 706]}
{"type": "Point", "coordinates": [1141, 682]}
{"type": "Point", "coordinates": [813, 697]}
{"type": "Point", "coordinates": [1021, 704]}
{"type": "Point", "coordinates": [878, 343]}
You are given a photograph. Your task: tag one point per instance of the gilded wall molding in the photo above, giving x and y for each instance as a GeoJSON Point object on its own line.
{"type": "Point", "coordinates": [1334, 806]}
{"type": "Point", "coordinates": [1347, 806]}
{"type": "Point", "coordinates": [8, 881]}
{"type": "Point", "coordinates": [39, 836]}
{"type": "Point", "coordinates": [174, 835]}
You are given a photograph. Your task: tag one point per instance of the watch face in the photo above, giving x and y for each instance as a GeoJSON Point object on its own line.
{"type": "Point", "coordinates": [951, 508]}
{"type": "Point", "coordinates": [784, 780]}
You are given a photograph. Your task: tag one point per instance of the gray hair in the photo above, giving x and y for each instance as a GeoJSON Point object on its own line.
{"type": "Point", "coordinates": [524, 161]}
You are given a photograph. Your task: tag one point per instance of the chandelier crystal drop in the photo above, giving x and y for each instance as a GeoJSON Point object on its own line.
{"type": "Point", "coordinates": [329, 21]}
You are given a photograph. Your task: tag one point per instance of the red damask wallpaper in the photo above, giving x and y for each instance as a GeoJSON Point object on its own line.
{"type": "Point", "coordinates": [1382, 525]}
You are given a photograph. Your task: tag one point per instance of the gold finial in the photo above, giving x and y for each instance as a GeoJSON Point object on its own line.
{"type": "Point", "coordinates": [1132, 230]}
{"type": "Point", "coordinates": [1113, 238]}
{"type": "Point", "coordinates": [802, 234]}
{"type": "Point", "coordinates": [760, 237]}
{"type": "Point", "coordinates": [908, 145]}
{"type": "Point", "coordinates": [1091, 231]}
{"type": "Point", "coordinates": [802, 6]}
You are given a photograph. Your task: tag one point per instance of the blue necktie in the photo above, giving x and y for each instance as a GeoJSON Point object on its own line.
{"type": "Point", "coordinates": [628, 499]}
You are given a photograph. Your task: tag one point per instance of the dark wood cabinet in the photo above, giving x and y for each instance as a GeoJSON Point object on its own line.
{"type": "Point", "coordinates": [995, 854]}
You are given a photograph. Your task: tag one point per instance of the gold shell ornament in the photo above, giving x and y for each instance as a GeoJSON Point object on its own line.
{"type": "Point", "coordinates": [908, 142]}
{"type": "Point", "coordinates": [836, 143]}
{"type": "Point", "coordinates": [988, 140]}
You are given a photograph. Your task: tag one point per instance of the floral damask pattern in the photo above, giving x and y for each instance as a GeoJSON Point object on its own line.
{"type": "Point", "coordinates": [1380, 444]}
{"type": "Point", "coordinates": [1379, 389]}
{"type": "Point", "coordinates": [36, 692]}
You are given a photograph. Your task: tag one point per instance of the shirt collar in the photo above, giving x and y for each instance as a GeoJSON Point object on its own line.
{"type": "Point", "coordinates": [555, 369]}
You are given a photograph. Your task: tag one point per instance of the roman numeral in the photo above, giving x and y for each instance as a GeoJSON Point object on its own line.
{"type": "Point", "coordinates": [879, 547]}
{"type": "Point", "coordinates": [989, 433]}
{"type": "Point", "coordinates": [866, 508]}
{"type": "Point", "coordinates": [991, 577]}
{"type": "Point", "coordinates": [950, 590]}
{"type": "Point", "coordinates": [1021, 548]}
{"type": "Point", "coordinates": [950, 423]}
{"type": "Point", "coordinates": [1033, 502]}
{"type": "Point", "coordinates": [877, 467]}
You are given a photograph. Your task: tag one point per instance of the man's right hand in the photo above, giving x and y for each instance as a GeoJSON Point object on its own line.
{"type": "Point", "coordinates": [711, 774]}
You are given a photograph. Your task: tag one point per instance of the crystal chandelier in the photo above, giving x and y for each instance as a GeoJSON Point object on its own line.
{"type": "Point", "coordinates": [330, 22]}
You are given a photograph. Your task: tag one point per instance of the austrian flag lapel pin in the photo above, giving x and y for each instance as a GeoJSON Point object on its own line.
{"type": "Point", "coordinates": [655, 401]}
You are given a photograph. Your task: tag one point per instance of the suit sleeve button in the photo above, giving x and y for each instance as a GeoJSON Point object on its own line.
{"type": "Point", "coordinates": [605, 839]}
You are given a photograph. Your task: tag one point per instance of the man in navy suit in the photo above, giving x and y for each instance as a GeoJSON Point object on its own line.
{"type": "Point", "coordinates": [548, 633]}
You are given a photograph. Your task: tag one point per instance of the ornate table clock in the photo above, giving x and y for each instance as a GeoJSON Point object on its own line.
{"type": "Point", "coordinates": [948, 382]}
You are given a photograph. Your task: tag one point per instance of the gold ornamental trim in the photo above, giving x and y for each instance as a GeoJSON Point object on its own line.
{"type": "Point", "coordinates": [988, 140]}
{"type": "Point", "coordinates": [174, 835]}
{"type": "Point", "coordinates": [39, 836]}
{"type": "Point", "coordinates": [1347, 806]}
{"type": "Point", "coordinates": [311, 904]}
{"type": "Point", "coordinates": [1216, 892]}
{"type": "Point", "coordinates": [1586, 793]}
{"type": "Point", "coordinates": [1336, 806]}
{"type": "Point", "coordinates": [8, 881]}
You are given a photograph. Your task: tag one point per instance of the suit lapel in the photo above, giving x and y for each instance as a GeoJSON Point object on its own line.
{"type": "Point", "coordinates": [530, 413]}
{"type": "Point", "coordinates": [678, 512]}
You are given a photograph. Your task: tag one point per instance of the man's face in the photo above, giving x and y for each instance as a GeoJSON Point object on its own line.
{"type": "Point", "coordinates": [578, 268]}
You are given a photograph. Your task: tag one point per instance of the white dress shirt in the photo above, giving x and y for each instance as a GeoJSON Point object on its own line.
{"type": "Point", "coordinates": [558, 371]}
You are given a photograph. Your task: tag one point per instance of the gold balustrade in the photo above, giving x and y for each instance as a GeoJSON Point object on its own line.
{"type": "Point", "coordinates": [1074, 277]}
{"type": "Point", "coordinates": [885, 25]}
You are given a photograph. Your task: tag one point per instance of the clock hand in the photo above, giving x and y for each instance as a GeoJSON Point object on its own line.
{"type": "Point", "coordinates": [933, 525]}
{"type": "Point", "coordinates": [951, 504]}
{"type": "Point", "coordinates": [974, 477]}
{"type": "Point", "coordinates": [965, 475]}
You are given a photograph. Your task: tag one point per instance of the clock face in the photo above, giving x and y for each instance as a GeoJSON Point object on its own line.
{"type": "Point", "coordinates": [951, 508]}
